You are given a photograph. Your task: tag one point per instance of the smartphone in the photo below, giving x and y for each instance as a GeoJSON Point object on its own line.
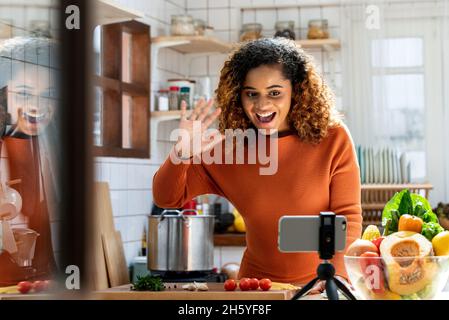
{"type": "Point", "coordinates": [301, 233]}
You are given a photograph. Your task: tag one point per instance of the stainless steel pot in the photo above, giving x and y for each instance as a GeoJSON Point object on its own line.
{"type": "Point", "coordinates": [179, 242]}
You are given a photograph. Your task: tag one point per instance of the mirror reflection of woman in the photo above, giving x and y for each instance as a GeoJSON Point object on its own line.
{"type": "Point", "coordinates": [274, 86]}
{"type": "Point", "coordinates": [28, 86]}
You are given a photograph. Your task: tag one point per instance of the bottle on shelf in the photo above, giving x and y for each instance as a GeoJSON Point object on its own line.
{"type": "Point", "coordinates": [144, 242]}
{"type": "Point", "coordinates": [173, 98]}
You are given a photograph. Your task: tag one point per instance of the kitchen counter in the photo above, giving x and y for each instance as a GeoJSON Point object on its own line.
{"type": "Point", "coordinates": [215, 292]}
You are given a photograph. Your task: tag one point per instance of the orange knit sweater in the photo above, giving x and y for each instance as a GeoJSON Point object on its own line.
{"type": "Point", "coordinates": [310, 179]}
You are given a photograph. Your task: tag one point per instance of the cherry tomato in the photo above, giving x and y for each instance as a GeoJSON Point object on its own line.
{"type": "Point", "coordinates": [245, 284]}
{"type": "Point", "coordinates": [265, 284]}
{"type": "Point", "coordinates": [254, 283]}
{"type": "Point", "coordinates": [378, 241]}
{"type": "Point", "coordinates": [24, 286]}
{"type": "Point", "coordinates": [230, 285]}
{"type": "Point", "coordinates": [39, 286]}
{"type": "Point", "coordinates": [372, 271]}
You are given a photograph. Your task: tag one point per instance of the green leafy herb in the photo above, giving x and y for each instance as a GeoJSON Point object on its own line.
{"type": "Point", "coordinates": [148, 283]}
{"type": "Point", "coordinates": [405, 202]}
{"type": "Point", "coordinates": [431, 229]}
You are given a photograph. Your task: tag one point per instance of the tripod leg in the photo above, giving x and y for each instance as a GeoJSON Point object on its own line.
{"type": "Point", "coordinates": [331, 289]}
{"type": "Point", "coordinates": [346, 292]}
{"type": "Point", "coordinates": [304, 290]}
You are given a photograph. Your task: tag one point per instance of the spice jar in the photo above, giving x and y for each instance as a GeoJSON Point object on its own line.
{"type": "Point", "coordinates": [200, 27]}
{"type": "Point", "coordinates": [173, 98]}
{"type": "Point", "coordinates": [182, 25]}
{"type": "Point", "coordinates": [162, 100]}
{"type": "Point", "coordinates": [251, 31]}
{"type": "Point", "coordinates": [285, 29]}
{"type": "Point", "coordinates": [318, 29]}
{"type": "Point", "coordinates": [184, 95]}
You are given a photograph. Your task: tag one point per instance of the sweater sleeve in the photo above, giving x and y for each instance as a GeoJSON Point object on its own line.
{"type": "Point", "coordinates": [175, 184]}
{"type": "Point", "coordinates": [345, 195]}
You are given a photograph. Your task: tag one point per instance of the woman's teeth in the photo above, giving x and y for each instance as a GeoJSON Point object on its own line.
{"type": "Point", "coordinates": [265, 117]}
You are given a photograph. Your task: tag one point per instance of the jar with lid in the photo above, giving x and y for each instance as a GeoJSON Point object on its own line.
{"type": "Point", "coordinates": [200, 27]}
{"type": "Point", "coordinates": [173, 98]}
{"type": "Point", "coordinates": [162, 100]}
{"type": "Point", "coordinates": [182, 25]}
{"type": "Point", "coordinates": [184, 95]}
{"type": "Point", "coordinates": [285, 29]}
{"type": "Point", "coordinates": [251, 31]}
{"type": "Point", "coordinates": [318, 29]}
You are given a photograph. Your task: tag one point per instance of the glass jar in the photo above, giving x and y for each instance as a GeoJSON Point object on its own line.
{"type": "Point", "coordinates": [173, 98]}
{"type": "Point", "coordinates": [200, 27]}
{"type": "Point", "coordinates": [182, 25]}
{"type": "Point", "coordinates": [162, 100]}
{"type": "Point", "coordinates": [251, 31]}
{"type": "Point", "coordinates": [285, 29]}
{"type": "Point", "coordinates": [318, 29]}
{"type": "Point", "coordinates": [184, 95]}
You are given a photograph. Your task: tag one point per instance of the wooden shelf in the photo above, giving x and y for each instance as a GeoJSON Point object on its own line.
{"type": "Point", "coordinates": [192, 44]}
{"type": "Point", "coordinates": [326, 44]}
{"type": "Point", "coordinates": [106, 12]}
{"type": "Point", "coordinates": [425, 186]}
{"type": "Point", "coordinates": [171, 113]}
{"type": "Point", "coordinates": [202, 44]}
{"type": "Point", "coordinates": [175, 114]}
{"type": "Point", "coordinates": [230, 240]}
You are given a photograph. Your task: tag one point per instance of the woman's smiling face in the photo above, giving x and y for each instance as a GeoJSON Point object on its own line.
{"type": "Point", "coordinates": [266, 97]}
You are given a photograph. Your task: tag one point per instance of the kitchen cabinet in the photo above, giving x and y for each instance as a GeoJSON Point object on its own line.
{"type": "Point", "coordinates": [230, 239]}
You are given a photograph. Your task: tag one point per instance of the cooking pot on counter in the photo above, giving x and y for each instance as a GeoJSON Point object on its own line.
{"type": "Point", "coordinates": [180, 241]}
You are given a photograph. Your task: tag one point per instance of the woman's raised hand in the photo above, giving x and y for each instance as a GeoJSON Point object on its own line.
{"type": "Point", "coordinates": [195, 125]}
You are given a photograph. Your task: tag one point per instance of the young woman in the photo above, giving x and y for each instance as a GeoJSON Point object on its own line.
{"type": "Point", "coordinates": [271, 84]}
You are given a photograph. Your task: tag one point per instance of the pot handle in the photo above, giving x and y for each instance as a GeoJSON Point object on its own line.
{"type": "Point", "coordinates": [179, 213]}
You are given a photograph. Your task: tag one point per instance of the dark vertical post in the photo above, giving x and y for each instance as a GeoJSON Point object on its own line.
{"type": "Point", "coordinates": [76, 129]}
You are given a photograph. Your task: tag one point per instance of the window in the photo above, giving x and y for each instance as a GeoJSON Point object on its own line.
{"type": "Point", "coordinates": [398, 88]}
{"type": "Point", "coordinates": [122, 90]}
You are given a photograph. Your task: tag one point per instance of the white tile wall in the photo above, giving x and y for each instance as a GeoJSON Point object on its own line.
{"type": "Point", "coordinates": [218, 3]}
{"type": "Point", "coordinates": [194, 4]}
{"type": "Point", "coordinates": [219, 18]}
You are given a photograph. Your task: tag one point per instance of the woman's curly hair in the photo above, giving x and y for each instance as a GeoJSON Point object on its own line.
{"type": "Point", "coordinates": [312, 110]}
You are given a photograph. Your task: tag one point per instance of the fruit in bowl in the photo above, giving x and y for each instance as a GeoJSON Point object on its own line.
{"type": "Point", "coordinates": [410, 260]}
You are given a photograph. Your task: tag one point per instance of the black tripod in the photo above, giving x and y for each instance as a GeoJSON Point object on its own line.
{"type": "Point", "coordinates": [326, 270]}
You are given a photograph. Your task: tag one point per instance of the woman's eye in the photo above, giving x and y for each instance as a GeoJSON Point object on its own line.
{"type": "Point", "coordinates": [251, 94]}
{"type": "Point", "coordinates": [275, 93]}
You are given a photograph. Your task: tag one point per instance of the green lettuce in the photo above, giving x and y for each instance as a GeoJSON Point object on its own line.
{"type": "Point", "coordinates": [431, 229]}
{"type": "Point", "coordinates": [402, 203]}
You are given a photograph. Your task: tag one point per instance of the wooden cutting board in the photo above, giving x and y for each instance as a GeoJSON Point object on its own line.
{"type": "Point", "coordinates": [215, 292]}
{"type": "Point", "coordinates": [102, 224]}
{"type": "Point", "coordinates": [115, 259]}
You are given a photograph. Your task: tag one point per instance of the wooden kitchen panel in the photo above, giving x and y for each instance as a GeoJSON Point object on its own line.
{"type": "Point", "coordinates": [230, 240]}
{"type": "Point", "coordinates": [215, 292]}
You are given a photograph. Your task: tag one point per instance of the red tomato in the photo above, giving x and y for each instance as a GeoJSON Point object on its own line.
{"type": "Point", "coordinates": [230, 285]}
{"type": "Point", "coordinates": [244, 284]}
{"type": "Point", "coordinates": [378, 241]}
{"type": "Point", "coordinates": [39, 286]}
{"type": "Point", "coordinates": [24, 286]}
{"type": "Point", "coordinates": [265, 284]}
{"type": "Point", "coordinates": [254, 283]}
{"type": "Point", "coordinates": [372, 271]}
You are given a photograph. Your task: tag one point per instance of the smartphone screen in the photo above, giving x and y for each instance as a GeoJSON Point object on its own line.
{"type": "Point", "coordinates": [301, 233]}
